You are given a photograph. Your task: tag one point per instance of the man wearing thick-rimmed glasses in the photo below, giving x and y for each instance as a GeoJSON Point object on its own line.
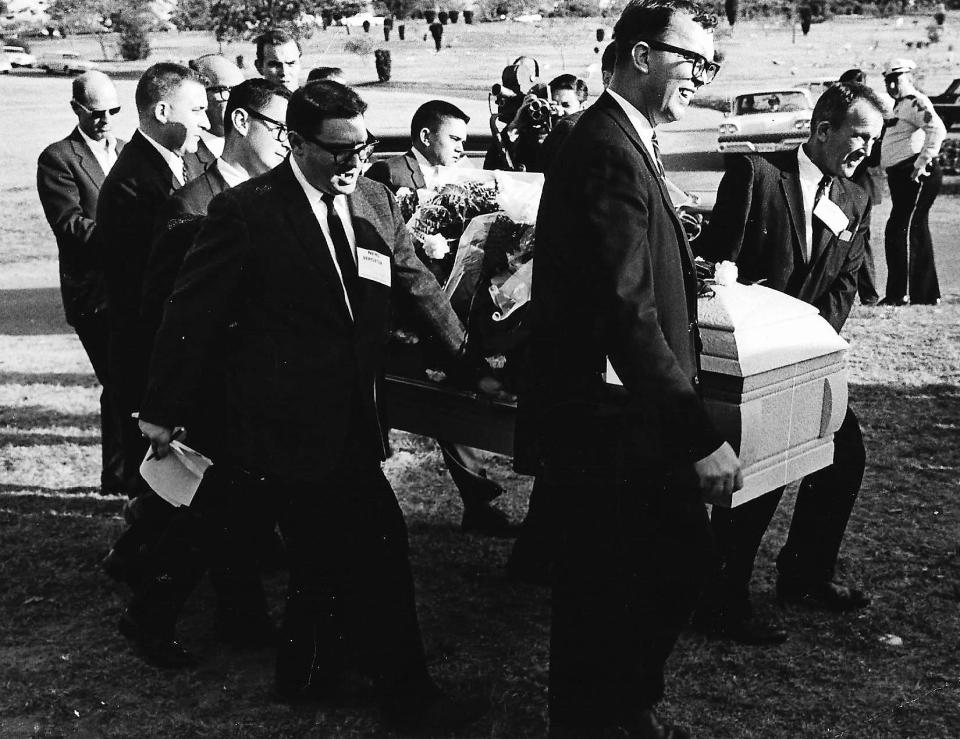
{"type": "Point", "coordinates": [69, 175]}
{"type": "Point", "coordinates": [626, 467]}
{"type": "Point", "coordinates": [299, 265]}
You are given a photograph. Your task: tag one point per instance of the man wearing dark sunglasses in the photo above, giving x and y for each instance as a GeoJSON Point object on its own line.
{"type": "Point", "coordinates": [69, 175]}
{"type": "Point", "coordinates": [626, 461]}
{"type": "Point", "coordinates": [303, 262]}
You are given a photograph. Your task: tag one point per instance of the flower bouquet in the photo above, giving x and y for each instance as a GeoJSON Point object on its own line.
{"type": "Point", "coordinates": [475, 231]}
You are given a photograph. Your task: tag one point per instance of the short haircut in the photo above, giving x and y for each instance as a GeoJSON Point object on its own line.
{"type": "Point", "coordinates": [324, 73]}
{"type": "Point", "coordinates": [569, 82]}
{"type": "Point", "coordinates": [854, 75]}
{"type": "Point", "coordinates": [274, 37]}
{"type": "Point", "coordinates": [608, 60]}
{"type": "Point", "coordinates": [160, 81]}
{"type": "Point", "coordinates": [319, 101]}
{"type": "Point", "coordinates": [253, 94]}
{"type": "Point", "coordinates": [648, 19]}
{"type": "Point", "coordinates": [836, 101]}
{"type": "Point", "coordinates": [432, 114]}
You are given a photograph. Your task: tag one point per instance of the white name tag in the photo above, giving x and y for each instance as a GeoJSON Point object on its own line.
{"type": "Point", "coordinates": [372, 265]}
{"type": "Point", "coordinates": [831, 215]}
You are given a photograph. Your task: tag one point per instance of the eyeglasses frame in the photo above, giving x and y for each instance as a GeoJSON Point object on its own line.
{"type": "Point", "coordinates": [281, 133]}
{"type": "Point", "coordinates": [341, 156]}
{"type": "Point", "coordinates": [97, 113]}
{"type": "Point", "coordinates": [707, 74]}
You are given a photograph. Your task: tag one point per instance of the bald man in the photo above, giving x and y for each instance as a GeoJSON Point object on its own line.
{"type": "Point", "coordinates": [219, 76]}
{"type": "Point", "coordinates": [69, 175]}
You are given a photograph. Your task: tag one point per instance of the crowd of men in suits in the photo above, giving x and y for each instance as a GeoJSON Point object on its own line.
{"type": "Point", "coordinates": [230, 271]}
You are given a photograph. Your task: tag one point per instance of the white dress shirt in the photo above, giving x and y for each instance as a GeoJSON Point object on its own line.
{"type": "Point", "coordinates": [810, 176]}
{"type": "Point", "coordinates": [233, 175]}
{"type": "Point", "coordinates": [429, 171]}
{"type": "Point", "coordinates": [174, 161]}
{"type": "Point", "coordinates": [314, 196]}
{"type": "Point", "coordinates": [639, 121]}
{"type": "Point", "coordinates": [105, 150]}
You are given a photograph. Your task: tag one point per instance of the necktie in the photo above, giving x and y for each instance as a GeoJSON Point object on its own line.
{"type": "Point", "coordinates": [341, 247]}
{"type": "Point", "coordinates": [817, 231]}
{"type": "Point", "coordinates": [656, 155]}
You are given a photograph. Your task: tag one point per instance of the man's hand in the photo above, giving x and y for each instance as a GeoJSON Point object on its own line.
{"type": "Point", "coordinates": [489, 385]}
{"type": "Point", "coordinates": [719, 474]}
{"type": "Point", "coordinates": [160, 437]}
{"type": "Point", "coordinates": [919, 172]}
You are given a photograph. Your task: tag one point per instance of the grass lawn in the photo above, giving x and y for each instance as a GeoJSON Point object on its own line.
{"type": "Point", "coordinates": [64, 670]}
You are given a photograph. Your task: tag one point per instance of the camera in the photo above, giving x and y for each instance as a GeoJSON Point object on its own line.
{"type": "Point", "coordinates": [517, 79]}
{"type": "Point", "coordinates": [542, 112]}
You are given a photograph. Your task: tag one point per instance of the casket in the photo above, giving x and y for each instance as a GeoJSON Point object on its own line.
{"type": "Point", "coordinates": [774, 382]}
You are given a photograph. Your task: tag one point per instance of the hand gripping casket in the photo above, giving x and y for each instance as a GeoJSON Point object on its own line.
{"type": "Point", "coordinates": [774, 382]}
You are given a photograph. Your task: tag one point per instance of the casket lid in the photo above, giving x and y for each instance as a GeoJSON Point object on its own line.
{"type": "Point", "coordinates": [749, 329]}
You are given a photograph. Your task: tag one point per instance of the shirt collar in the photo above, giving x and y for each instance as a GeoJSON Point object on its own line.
{"type": "Point", "coordinates": [312, 193]}
{"type": "Point", "coordinates": [214, 143]}
{"type": "Point", "coordinates": [233, 174]}
{"type": "Point", "coordinates": [639, 121]}
{"type": "Point", "coordinates": [108, 144]}
{"type": "Point", "coordinates": [809, 172]}
{"type": "Point", "coordinates": [173, 160]}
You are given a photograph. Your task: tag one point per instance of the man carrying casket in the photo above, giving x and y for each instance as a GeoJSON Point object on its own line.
{"type": "Point", "coordinates": [626, 468]}
{"type": "Point", "coordinates": [794, 220]}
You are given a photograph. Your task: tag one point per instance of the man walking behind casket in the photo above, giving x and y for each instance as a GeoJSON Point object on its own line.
{"type": "Point", "coordinates": [627, 467]}
{"type": "Point", "coordinates": [793, 220]}
{"type": "Point", "coordinates": [299, 264]}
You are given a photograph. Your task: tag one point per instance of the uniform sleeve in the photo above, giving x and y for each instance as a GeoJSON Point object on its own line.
{"type": "Point", "coordinates": [921, 114]}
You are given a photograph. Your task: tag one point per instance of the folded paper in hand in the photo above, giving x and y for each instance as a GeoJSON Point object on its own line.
{"type": "Point", "coordinates": [176, 477]}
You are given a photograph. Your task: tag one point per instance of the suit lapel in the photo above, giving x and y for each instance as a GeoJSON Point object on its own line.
{"type": "Point", "coordinates": [790, 184]}
{"type": "Point", "coordinates": [149, 152]}
{"type": "Point", "coordinates": [827, 244]}
{"type": "Point", "coordinates": [620, 117]}
{"type": "Point", "coordinates": [86, 158]}
{"type": "Point", "coordinates": [416, 174]}
{"type": "Point", "coordinates": [307, 230]}
{"type": "Point", "coordinates": [369, 229]}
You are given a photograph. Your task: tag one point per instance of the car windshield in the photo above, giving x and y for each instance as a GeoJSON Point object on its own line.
{"type": "Point", "coordinates": [771, 102]}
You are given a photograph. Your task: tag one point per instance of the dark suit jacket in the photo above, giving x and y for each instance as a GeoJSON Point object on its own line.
{"type": "Point", "coordinates": [131, 199]}
{"type": "Point", "coordinates": [178, 223]}
{"type": "Point", "coordinates": [69, 178]}
{"type": "Point", "coordinates": [298, 368]}
{"type": "Point", "coordinates": [613, 277]}
{"type": "Point", "coordinates": [758, 222]}
{"type": "Point", "coordinates": [399, 171]}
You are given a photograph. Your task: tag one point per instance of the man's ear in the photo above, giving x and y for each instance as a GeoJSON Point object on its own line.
{"type": "Point", "coordinates": [641, 56]}
{"type": "Point", "coordinates": [423, 136]}
{"type": "Point", "coordinates": [295, 140]}
{"type": "Point", "coordinates": [161, 111]}
{"type": "Point", "coordinates": [240, 120]}
{"type": "Point", "coordinates": [822, 131]}
{"type": "Point", "coordinates": [258, 65]}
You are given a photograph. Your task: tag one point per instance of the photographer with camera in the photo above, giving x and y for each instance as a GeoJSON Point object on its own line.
{"type": "Point", "coordinates": [530, 109]}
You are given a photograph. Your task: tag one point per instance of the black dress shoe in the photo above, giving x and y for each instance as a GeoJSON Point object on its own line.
{"type": "Point", "coordinates": [826, 595]}
{"type": "Point", "coordinates": [247, 633]}
{"type": "Point", "coordinates": [748, 630]}
{"type": "Point", "coordinates": [156, 649]}
{"type": "Point", "coordinates": [122, 569]}
{"type": "Point", "coordinates": [483, 518]}
{"type": "Point", "coordinates": [439, 715]}
{"type": "Point", "coordinates": [894, 302]}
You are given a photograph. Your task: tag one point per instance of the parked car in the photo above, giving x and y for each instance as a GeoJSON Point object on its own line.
{"type": "Point", "coordinates": [5, 65]}
{"type": "Point", "coordinates": [947, 104]}
{"type": "Point", "coordinates": [65, 62]}
{"type": "Point", "coordinates": [766, 120]}
{"type": "Point", "coordinates": [19, 57]}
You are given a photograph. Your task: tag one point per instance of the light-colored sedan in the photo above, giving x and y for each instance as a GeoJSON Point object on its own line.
{"type": "Point", "coordinates": [766, 120]}
{"type": "Point", "coordinates": [19, 57]}
{"type": "Point", "coordinates": [65, 62]}
{"type": "Point", "coordinates": [4, 63]}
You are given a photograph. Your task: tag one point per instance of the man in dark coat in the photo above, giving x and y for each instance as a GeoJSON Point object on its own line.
{"type": "Point", "coordinates": [438, 132]}
{"type": "Point", "coordinates": [793, 220]}
{"type": "Point", "coordinates": [627, 466]}
{"type": "Point", "coordinates": [299, 264]}
{"type": "Point", "coordinates": [70, 173]}
{"type": "Point", "coordinates": [171, 104]}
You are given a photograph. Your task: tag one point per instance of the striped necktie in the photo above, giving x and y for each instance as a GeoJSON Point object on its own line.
{"type": "Point", "coordinates": [656, 155]}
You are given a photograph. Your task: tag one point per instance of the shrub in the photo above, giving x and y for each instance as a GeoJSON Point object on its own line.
{"type": "Point", "coordinates": [134, 42]}
{"type": "Point", "coordinates": [360, 45]}
{"type": "Point", "coordinates": [381, 58]}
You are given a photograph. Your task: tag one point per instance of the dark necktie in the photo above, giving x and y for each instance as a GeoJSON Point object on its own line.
{"type": "Point", "coordinates": [341, 247]}
{"type": "Point", "coordinates": [656, 155]}
{"type": "Point", "coordinates": [817, 231]}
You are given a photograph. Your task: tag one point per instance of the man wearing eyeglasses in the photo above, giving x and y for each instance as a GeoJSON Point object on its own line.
{"type": "Point", "coordinates": [301, 263]}
{"type": "Point", "coordinates": [70, 173]}
{"type": "Point", "coordinates": [626, 467]}
{"type": "Point", "coordinates": [219, 77]}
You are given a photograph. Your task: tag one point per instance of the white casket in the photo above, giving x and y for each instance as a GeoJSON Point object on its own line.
{"type": "Point", "coordinates": [774, 382]}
